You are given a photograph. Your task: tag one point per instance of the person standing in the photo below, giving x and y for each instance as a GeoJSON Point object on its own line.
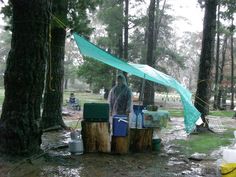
{"type": "Point", "coordinates": [120, 97]}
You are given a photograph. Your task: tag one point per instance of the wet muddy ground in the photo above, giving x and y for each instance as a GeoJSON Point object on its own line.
{"type": "Point", "coordinates": [168, 162]}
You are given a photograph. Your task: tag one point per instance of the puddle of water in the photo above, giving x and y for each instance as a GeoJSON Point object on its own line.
{"type": "Point", "coordinates": [62, 171]}
{"type": "Point", "coordinates": [171, 163]}
{"type": "Point", "coordinates": [168, 162]}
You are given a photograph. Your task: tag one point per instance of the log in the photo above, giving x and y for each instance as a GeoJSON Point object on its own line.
{"type": "Point", "coordinates": [120, 145]}
{"type": "Point", "coordinates": [141, 140]}
{"type": "Point", "coordinates": [96, 136]}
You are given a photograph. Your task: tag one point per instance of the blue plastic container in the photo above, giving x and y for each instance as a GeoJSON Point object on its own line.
{"type": "Point", "coordinates": [120, 125]}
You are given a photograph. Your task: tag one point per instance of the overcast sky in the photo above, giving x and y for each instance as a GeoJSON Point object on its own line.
{"type": "Point", "coordinates": [188, 14]}
{"type": "Point", "coordinates": [188, 9]}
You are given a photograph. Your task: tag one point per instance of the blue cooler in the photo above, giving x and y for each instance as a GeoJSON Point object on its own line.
{"type": "Point", "coordinates": [120, 125]}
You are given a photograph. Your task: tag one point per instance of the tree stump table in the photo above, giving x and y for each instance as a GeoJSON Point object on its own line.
{"type": "Point", "coordinates": [120, 145]}
{"type": "Point", "coordinates": [96, 136]}
{"type": "Point", "coordinates": [141, 139]}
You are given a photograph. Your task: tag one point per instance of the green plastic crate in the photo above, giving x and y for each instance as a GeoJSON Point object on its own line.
{"type": "Point", "coordinates": [96, 112]}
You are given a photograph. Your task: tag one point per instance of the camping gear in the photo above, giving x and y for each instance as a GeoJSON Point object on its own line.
{"type": "Point", "coordinates": [120, 137]}
{"type": "Point", "coordinates": [120, 125]}
{"type": "Point", "coordinates": [156, 144]}
{"type": "Point", "coordinates": [229, 155]}
{"type": "Point", "coordinates": [76, 143]}
{"type": "Point", "coordinates": [228, 169]}
{"type": "Point", "coordinates": [96, 112]}
{"type": "Point", "coordinates": [156, 119]}
{"type": "Point", "coordinates": [191, 114]}
{"type": "Point", "coordinates": [156, 141]}
{"type": "Point", "coordinates": [137, 117]}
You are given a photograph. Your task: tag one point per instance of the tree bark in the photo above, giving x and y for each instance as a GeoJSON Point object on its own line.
{"type": "Point", "coordinates": [96, 136]}
{"type": "Point", "coordinates": [120, 34]}
{"type": "Point", "coordinates": [232, 64]}
{"type": "Point", "coordinates": [53, 96]}
{"type": "Point", "coordinates": [65, 84]}
{"type": "Point", "coordinates": [149, 86]}
{"type": "Point", "coordinates": [157, 24]}
{"type": "Point", "coordinates": [20, 131]}
{"type": "Point", "coordinates": [203, 92]}
{"type": "Point", "coordinates": [141, 140]}
{"type": "Point", "coordinates": [126, 29]}
{"type": "Point", "coordinates": [215, 105]}
{"type": "Point", "coordinates": [120, 145]}
{"type": "Point", "coordinates": [224, 47]}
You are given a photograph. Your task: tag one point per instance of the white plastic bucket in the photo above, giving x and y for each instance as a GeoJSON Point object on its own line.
{"type": "Point", "coordinates": [229, 155]}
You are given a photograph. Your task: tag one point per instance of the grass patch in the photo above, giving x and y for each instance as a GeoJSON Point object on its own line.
{"type": "Point", "coordinates": [222, 113]}
{"type": "Point", "coordinates": [176, 112]}
{"type": "Point", "coordinates": [205, 142]}
{"type": "Point", "coordinates": [180, 113]}
{"type": "Point", "coordinates": [85, 98]}
{"type": "Point", "coordinates": [73, 124]}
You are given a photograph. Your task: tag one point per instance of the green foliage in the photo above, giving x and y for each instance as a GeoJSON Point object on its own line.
{"type": "Point", "coordinates": [96, 74]}
{"type": "Point", "coordinates": [171, 55]}
{"type": "Point", "coordinates": [137, 46]}
{"type": "Point", "coordinates": [7, 12]}
{"type": "Point", "coordinates": [78, 16]}
{"type": "Point", "coordinates": [229, 9]}
{"type": "Point", "coordinates": [72, 60]}
{"type": "Point", "coordinates": [111, 15]}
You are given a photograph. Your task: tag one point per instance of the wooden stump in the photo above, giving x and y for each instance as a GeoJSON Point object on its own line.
{"type": "Point", "coordinates": [120, 145]}
{"type": "Point", "coordinates": [141, 139]}
{"type": "Point", "coordinates": [96, 136]}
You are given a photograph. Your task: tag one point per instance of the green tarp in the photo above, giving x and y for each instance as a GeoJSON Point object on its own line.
{"type": "Point", "coordinates": [191, 114]}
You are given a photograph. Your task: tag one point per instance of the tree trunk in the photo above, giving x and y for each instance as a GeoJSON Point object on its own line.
{"type": "Point", "coordinates": [53, 96]}
{"type": "Point", "coordinates": [224, 47]}
{"type": "Point", "coordinates": [65, 84]}
{"type": "Point", "coordinates": [232, 65]}
{"type": "Point", "coordinates": [217, 60]}
{"type": "Point", "coordinates": [126, 29]}
{"type": "Point", "coordinates": [20, 131]}
{"type": "Point", "coordinates": [157, 24]}
{"type": "Point", "coordinates": [203, 92]}
{"type": "Point", "coordinates": [120, 35]}
{"type": "Point", "coordinates": [149, 86]}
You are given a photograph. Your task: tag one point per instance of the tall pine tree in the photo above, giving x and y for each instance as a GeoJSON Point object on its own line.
{"type": "Point", "coordinates": [20, 131]}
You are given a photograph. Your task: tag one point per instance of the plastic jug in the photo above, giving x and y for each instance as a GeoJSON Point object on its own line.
{"type": "Point", "coordinates": [140, 121]}
{"type": "Point", "coordinates": [133, 121]}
